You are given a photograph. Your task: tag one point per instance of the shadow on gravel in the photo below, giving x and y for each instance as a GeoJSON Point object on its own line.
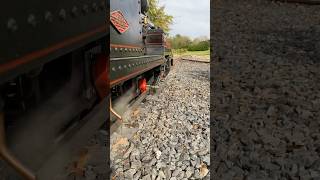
{"type": "Point", "coordinates": [202, 75]}
{"type": "Point", "coordinates": [292, 44]}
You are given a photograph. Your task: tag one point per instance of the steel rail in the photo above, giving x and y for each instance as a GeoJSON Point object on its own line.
{"type": "Point", "coordinates": [193, 60]}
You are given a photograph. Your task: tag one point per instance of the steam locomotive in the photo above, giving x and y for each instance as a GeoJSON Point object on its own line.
{"type": "Point", "coordinates": [139, 52]}
{"type": "Point", "coordinates": [58, 74]}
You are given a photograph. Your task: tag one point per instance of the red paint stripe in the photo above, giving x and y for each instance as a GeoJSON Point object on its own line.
{"type": "Point", "coordinates": [124, 46]}
{"type": "Point", "coordinates": [124, 78]}
{"type": "Point", "coordinates": [43, 52]}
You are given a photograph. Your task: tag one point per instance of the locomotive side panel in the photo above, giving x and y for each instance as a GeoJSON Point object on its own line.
{"type": "Point", "coordinates": [155, 42]}
{"type": "Point", "coordinates": [35, 32]}
{"type": "Point", "coordinates": [126, 13]}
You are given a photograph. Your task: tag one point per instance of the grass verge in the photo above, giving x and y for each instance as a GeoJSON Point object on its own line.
{"type": "Point", "coordinates": [200, 54]}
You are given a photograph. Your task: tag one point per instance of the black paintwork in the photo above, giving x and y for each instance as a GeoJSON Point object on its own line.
{"type": "Point", "coordinates": [144, 6]}
{"type": "Point", "coordinates": [125, 61]}
{"type": "Point", "coordinates": [131, 10]}
{"type": "Point", "coordinates": [29, 26]}
{"type": "Point", "coordinates": [121, 67]}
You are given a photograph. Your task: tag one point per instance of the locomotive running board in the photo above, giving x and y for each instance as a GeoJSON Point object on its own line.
{"type": "Point", "coordinates": [56, 164]}
{"type": "Point", "coordinates": [123, 69]}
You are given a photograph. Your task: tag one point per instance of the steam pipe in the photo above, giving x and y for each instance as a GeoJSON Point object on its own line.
{"type": "Point", "coordinates": [114, 112]}
{"type": "Point", "coordinates": [7, 155]}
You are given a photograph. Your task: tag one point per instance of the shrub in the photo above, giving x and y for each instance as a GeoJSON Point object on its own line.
{"type": "Point", "coordinates": [201, 46]}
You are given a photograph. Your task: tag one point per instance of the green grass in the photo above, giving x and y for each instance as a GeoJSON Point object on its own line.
{"type": "Point", "coordinates": [202, 54]}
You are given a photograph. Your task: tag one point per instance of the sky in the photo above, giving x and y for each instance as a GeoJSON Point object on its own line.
{"type": "Point", "coordinates": [191, 17]}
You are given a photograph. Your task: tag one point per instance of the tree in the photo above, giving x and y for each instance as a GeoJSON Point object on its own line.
{"type": "Point", "coordinates": [158, 16]}
{"type": "Point", "coordinates": [199, 39]}
{"type": "Point", "coordinates": [199, 46]}
{"type": "Point", "coordinates": [179, 42]}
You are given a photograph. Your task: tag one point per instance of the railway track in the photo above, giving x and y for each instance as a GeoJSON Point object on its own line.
{"type": "Point", "coordinates": [196, 60]}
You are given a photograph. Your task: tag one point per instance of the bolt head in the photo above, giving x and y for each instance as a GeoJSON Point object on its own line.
{"type": "Point", "coordinates": [12, 25]}
{"type": "Point", "coordinates": [85, 9]}
{"type": "Point", "coordinates": [62, 14]}
{"type": "Point", "coordinates": [94, 7]}
{"type": "Point", "coordinates": [74, 11]}
{"type": "Point", "coordinates": [32, 20]}
{"type": "Point", "coordinates": [48, 16]}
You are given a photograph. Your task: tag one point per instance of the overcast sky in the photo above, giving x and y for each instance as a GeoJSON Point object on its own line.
{"type": "Point", "coordinates": [191, 17]}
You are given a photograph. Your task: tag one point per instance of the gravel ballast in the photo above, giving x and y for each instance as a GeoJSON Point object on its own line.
{"type": "Point", "coordinates": [172, 130]}
{"type": "Point", "coordinates": [266, 93]}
